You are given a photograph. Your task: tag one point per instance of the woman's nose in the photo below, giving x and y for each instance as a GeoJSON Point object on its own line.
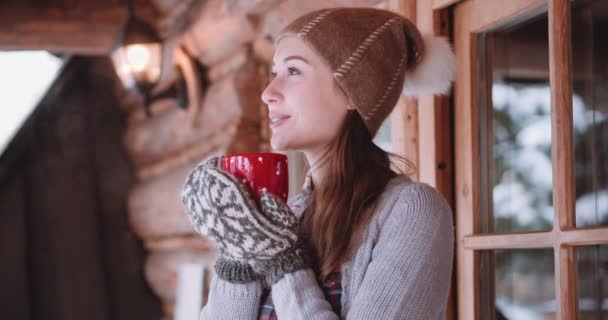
{"type": "Point", "coordinates": [271, 94]}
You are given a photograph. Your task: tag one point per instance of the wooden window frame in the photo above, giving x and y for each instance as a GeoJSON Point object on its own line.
{"type": "Point", "coordinates": [470, 18]}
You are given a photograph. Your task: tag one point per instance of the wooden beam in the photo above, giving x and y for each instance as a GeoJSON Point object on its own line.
{"type": "Point", "coordinates": [404, 134]}
{"type": "Point", "coordinates": [404, 118]}
{"type": "Point", "coordinates": [492, 13]}
{"type": "Point", "coordinates": [66, 26]}
{"type": "Point", "coordinates": [566, 293]}
{"type": "Point", "coordinates": [560, 62]}
{"type": "Point", "coordinates": [497, 241]}
{"type": "Point", "coordinates": [544, 239]}
{"type": "Point", "coordinates": [75, 31]}
{"type": "Point", "coordinates": [466, 163]}
{"type": "Point", "coordinates": [560, 72]}
{"type": "Point", "coordinates": [585, 237]}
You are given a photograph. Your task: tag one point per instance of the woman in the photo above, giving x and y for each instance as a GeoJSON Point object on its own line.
{"type": "Point", "coordinates": [360, 241]}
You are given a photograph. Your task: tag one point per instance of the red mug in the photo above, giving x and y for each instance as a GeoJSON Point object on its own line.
{"type": "Point", "coordinates": [260, 171]}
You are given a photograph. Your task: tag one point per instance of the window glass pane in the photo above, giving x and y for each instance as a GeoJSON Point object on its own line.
{"type": "Point", "coordinates": [515, 127]}
{"type": "Point", "coordinates": [517, 284]}
{"type": "Point", "coordinates": [383, 137]}
{"type": "Point", "coordinates": [590, 110]}
{"type": "Point", "coordinates": [592, 282]}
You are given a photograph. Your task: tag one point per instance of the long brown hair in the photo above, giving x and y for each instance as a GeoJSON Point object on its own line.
{"type": "Point", "coordinates": [342, 204]}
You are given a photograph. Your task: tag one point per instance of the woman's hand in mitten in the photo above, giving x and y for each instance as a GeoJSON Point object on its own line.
{"type": "Point", "coordinates": [201, 197]}
{"type": "Point", "coordinates": [266, 237]}
{"type": "Point", "coordinates": [274, 264]}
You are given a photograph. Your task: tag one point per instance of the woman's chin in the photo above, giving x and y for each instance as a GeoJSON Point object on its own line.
{"type": "Point", "coordinates": [278, 143]}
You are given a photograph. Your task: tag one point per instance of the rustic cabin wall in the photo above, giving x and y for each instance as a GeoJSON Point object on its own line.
{"type": "Point", "coordinates": [69, 250]}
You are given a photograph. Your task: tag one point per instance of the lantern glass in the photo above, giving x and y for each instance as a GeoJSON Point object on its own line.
{"type": "Point", "coordinates": [138, 65]}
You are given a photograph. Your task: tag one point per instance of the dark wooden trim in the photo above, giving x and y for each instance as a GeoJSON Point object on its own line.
{"type": "Point", "coordinates": [74, 27]}
{"type": "Point", "coordinates": [80, 30]}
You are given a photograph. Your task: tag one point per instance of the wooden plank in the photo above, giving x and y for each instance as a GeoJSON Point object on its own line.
{"type": "Point", "coordinates": [560, 62]}
{"type": "Point", "coordinates": [560, 71]}
{"type": "Point", "coordinates": [404, 118]}
{"type": "Point", "coordinates": [466, 164]}
{"type": "Point", "coordinates": [78, 30]}
{"type": "Point", "coordinates": [495, 241]}
{"type": "Point", "coordinates": [404, 133]}
{"type": "Point", "coordinates": [545, 239]}
{"type": "Point", "coordinates": [66, 26]}
{"type": "Point", "coordinates": [492, 13]}
{"type": "Point", "coordinates": [566, 293]}
{"type": "Point", "coordinates": [584, 237]}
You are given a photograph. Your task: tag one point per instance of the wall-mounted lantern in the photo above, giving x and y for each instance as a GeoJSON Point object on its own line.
{"type": "Point", "coordinates": [140, 65]}
{"type": "Point", "coordinates": [137, 56]}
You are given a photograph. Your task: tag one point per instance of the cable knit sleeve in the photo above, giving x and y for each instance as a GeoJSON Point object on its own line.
{"type": "Point", "coordinates": [232, 301]}
{"type": "Point", "coordinates": [408, 276]}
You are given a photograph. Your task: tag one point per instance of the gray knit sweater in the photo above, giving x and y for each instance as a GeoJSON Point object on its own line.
{"type": "Point", "coordinates": [401, 270]}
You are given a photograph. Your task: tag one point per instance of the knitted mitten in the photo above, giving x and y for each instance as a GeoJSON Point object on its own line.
{"type": "Point", "coordinates": [295, 257]}
{"type": "Point", "coordinates": [266, 237]}
{"type": "Point", "coordinates": [199, 198]}
{"type": "Point", "coordinates": [221, 208]}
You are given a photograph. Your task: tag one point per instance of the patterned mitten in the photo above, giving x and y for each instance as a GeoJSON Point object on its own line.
{"type": "Point", "coordinates": [199, 199]}
{"type": "Point", "coordinates": [293, 258]}
{"type": "Point", "coordinates": [266, 238]}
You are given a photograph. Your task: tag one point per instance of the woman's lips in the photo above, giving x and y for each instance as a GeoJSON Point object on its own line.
{"type": "Point", "coordinates": [277, 121]}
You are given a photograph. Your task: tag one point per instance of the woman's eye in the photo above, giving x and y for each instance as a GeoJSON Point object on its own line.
{"type": "Point", "coordinates": [292, 71]}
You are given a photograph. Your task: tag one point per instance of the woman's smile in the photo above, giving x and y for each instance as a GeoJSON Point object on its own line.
{"type": "Point", "coordinates": [277, 119]}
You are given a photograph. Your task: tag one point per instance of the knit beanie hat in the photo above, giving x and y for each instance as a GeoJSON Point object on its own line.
{"type": "Point", "coordinates": [374, 56]}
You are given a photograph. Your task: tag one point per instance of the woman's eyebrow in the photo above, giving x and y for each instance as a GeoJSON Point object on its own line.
{"type": "Point", "coordinates": [293, 58]}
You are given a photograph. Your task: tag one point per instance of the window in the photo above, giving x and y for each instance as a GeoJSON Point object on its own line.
{"type": "Point", "coordinates": [383, 137]}
{"type": "Point", "coordinates": [531, 136]}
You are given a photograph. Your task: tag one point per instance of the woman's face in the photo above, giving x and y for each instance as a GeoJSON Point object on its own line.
{"type": "Point", "coordinates": [305, 104]}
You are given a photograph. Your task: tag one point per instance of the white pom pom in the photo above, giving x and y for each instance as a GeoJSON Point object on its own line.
{"type": "Point", "coordinates": [435, 73]}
